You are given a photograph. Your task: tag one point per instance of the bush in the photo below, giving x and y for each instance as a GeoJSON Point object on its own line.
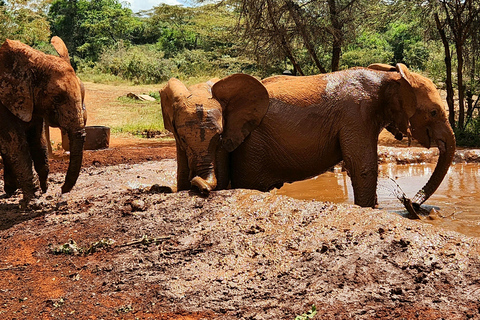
{"type": "Point", "coordinates": [370, 48]}
{"type": "Point", "coordinates": [146, 64]}
{"type": "Point", "coordinates": [140, 64]}
{"type": "Point", "coordinates": [470, 136]}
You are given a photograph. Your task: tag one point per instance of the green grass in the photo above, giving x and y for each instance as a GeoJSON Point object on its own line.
{"type": "Point", "coordinates": [131, 117]}
{"type": "Point", "coordinates": [104, 78]}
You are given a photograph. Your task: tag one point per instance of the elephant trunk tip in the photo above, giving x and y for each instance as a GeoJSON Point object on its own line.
{"type": "Point", "coordinates": [202, 185]}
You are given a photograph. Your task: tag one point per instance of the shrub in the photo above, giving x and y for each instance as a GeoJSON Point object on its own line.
{"type": "Point", "coordinates": [140, 64]}
{"type": "Point", "coordinates": [470, 136]}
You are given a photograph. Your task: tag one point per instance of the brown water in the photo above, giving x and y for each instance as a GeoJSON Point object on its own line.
{"type": "Point", "coordinates": [457, 199]}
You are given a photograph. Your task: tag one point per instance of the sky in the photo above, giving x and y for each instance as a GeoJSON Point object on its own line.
{"type": "Point", "coordinates": [137, 5]}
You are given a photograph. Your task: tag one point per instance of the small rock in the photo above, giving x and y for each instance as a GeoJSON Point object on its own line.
{"type": "Point", "coordinates": [160, 189]}
{"type": "Point", "coordinates": [138, 205]}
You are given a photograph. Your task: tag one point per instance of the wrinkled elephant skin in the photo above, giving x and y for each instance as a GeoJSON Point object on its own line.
{"type": "Point", "coordinates": [311, 124]}
{"type": "Point", "coordinates": [36, 88]}
{"type": "Point", "coordinates": [314, 122]}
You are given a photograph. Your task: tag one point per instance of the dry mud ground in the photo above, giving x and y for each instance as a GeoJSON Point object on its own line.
{"type": "Point", "coordinates": [116, 248]}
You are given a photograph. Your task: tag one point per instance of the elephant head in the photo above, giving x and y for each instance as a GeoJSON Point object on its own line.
{"type": "Point", "coordinates": [417, 108]}
{"type": "Point", "coordinates": [34, 84]}
{"type": "Point", "coordinates": [209, 120]}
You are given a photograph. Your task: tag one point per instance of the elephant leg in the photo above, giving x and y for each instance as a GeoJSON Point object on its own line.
{"type": "Point", "coordinates": [10, 181]}
{"type": "Point", "coordinates": [20, 161]}
{"type": "Point", "coordinates": [183, 172]}
{"type": "Point", "coordinates": [360, 160]}
{"type": "Point", "coordinates": [39, 153]}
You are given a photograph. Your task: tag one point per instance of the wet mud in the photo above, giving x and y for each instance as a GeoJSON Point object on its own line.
{"type": "Point", "coordinates": [118, 248]}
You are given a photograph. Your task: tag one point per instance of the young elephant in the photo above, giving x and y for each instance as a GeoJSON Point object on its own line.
{"type": "Point", "coordinates": [33, 87]}
{"type": "Point", "coordinates": [209, 120]}
{"type": "Point", "coordinates": [314, 122]}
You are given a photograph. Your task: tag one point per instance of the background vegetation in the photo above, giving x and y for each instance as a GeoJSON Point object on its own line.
{"type": "Point", "coordinates": [108, 42]}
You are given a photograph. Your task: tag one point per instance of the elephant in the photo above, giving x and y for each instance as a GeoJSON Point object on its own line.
{"type": "Point", "coordinates": [209, 120]}
{"type": "Point", "coordinates": [314, 122]}
{"type": "Point", "coordinates": [34, 88]}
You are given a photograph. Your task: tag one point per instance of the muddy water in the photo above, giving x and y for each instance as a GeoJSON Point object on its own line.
{"type": "Point", "coordinates": [457, 200]}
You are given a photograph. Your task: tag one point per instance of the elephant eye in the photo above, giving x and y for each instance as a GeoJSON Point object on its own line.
{"type": "Point", "coordinates": [433, 113]}
{"type": "Point", "coordinates": [59, 100]}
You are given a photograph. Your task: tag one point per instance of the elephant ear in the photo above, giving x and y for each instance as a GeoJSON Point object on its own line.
{"type": "Point", "coordinates": [245, 101]}
{"type": "Point", "coordinates": [61, 48]}
{"type": "Point", "coordinates": [381, 67]}
{"type": "Point", "coordinates": [15, 80]}
{"type": "Point", "coordinates": [173, 91]}
{"type": "Point", "coordinates": [407, 92]}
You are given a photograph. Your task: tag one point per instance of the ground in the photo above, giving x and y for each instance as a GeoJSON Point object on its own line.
{"type": "Point", "coordinates": [118, 247]}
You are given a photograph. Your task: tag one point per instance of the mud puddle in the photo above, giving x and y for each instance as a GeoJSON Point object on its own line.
{"type": "Point", "coordinates": [457, 199]}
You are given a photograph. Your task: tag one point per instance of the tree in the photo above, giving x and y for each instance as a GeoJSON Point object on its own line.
{"type": "Point", "coordinates": [24, 20]}
{"type": "Point", "coordinates": [88, 26]}
{"type": "Point", "coordinates": [208, 27]}
{"type": "Point", "coordinates": [288, 28]}
{"type": "Point", "coordinates": [454, 21]}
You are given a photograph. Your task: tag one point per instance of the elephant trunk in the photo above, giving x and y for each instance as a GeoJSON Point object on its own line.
{"type": "Point", "coordinates": [204, 185]}
{"type": "Point", "coordinates": [205, 179]}
{"type": "Point", "coordinates": [77, 139]}
{"type": "Point", "coordinates": [446, 146]}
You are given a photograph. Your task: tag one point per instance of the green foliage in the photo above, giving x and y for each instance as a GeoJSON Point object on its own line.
{"type": "Point", "coordinates": [435, 64]}
{"type": "Point", "coordinates": [470, 136]}
{"type": "Point", "coordinates": [89, 26]}
{"type": "Point", "coordinates": [407, 44]}
{"type": "Point", "coordinates": [147, 64]}
{"type": "Point", "coordinates": [370, 47]}
{"type": "Point", "coordinates": [24, 20]}
{"type": "Point", "coordinates": [308, 315]}
{"type": "Point", "coordinates": [140, 64]}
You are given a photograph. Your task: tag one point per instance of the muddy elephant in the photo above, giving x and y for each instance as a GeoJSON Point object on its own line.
{"type": "Point", "coordinates": [36, 87]}
{"type": "Point", "coordinates": [314, 122]}
{"type": "Point", "coordinates": [209, 120]}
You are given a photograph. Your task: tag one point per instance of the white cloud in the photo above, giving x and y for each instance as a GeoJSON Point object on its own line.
{"type": "Point", "coordinates": [137, 5]}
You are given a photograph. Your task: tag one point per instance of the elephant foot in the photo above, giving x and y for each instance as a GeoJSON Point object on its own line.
{"type": "Point", "coordinates": [43, 186]}
{"type": "Point", "coordinates": [24, 203]}
{"type": "Point", "coordinates": [10, 190]}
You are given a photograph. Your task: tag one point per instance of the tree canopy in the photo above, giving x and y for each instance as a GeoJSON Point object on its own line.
{"type": "Point", "coordinates": [263, 37]}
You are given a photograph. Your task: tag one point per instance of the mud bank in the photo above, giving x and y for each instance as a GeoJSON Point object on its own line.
{"type": "Point", "coordinates": [412, 155]}
{"type": "Point", "coordinates": [238, 254]}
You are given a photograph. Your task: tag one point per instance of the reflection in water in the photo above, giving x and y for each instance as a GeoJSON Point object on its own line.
{"type": "Point", "coordinates": [457, 198]}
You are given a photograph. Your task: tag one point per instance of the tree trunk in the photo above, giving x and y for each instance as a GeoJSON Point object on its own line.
{"type": "Point", "coordinates": [281, 39]}
{"type": "Point", "coordinates": [448, 66]}
{"type": "Point", "coordinates": [299, 22]}
{"type": "Point", "coordinates": [461, 88]}
{"type": "Point", "coordinates": [337, 35]}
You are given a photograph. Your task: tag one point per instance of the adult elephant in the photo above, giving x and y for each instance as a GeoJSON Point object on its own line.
{"type": "Point", "coordinates": [312, 123]}
{"type": "Point", "coordinates": [316, 121]}
{"type": "Point", "coordinates": [33, 87]}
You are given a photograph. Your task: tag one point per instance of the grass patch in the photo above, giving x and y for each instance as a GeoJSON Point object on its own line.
{"type": "Point", "coordinates": [129, 116]}
{"type": "Point", "coordinates": [103, 78]}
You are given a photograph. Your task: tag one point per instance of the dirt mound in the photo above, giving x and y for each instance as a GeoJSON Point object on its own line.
{"type": "Point", "coordinates": [115, 248]}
